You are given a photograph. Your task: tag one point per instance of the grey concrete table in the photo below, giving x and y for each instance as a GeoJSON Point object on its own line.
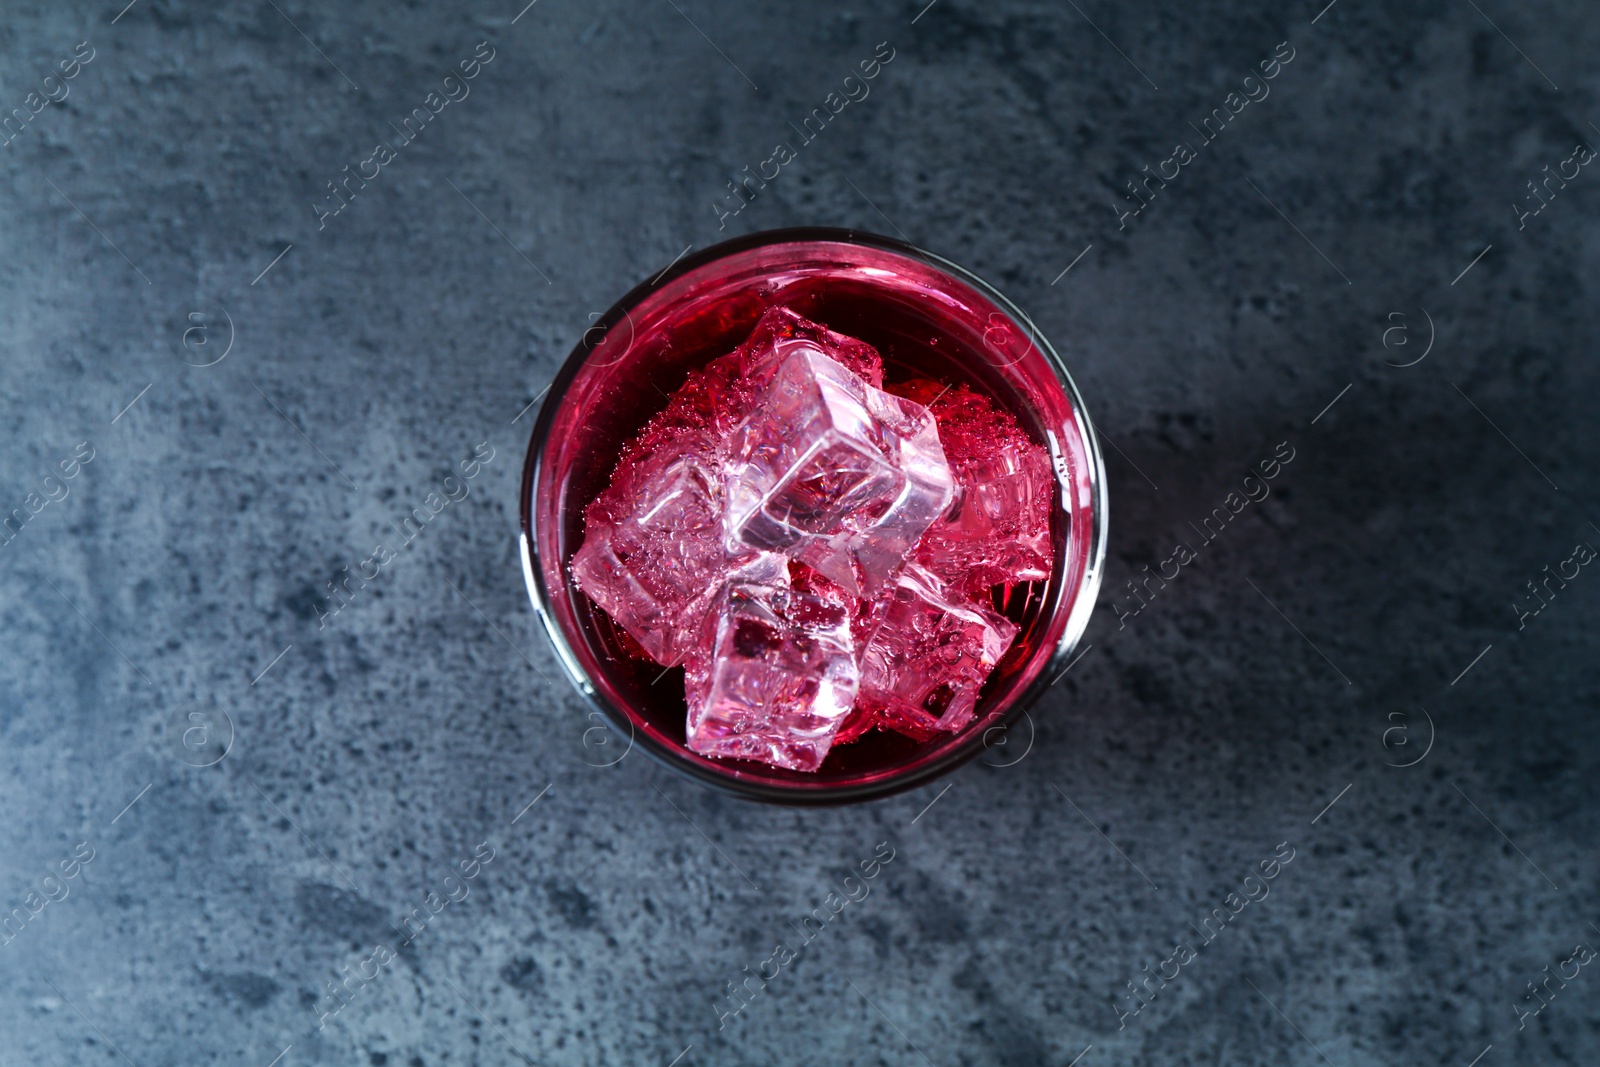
{"type": "Point", "coordinates": [275, 272]}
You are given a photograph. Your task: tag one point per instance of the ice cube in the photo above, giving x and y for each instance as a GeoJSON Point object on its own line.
{"type": "Point", "coordinates": [929, 656]}
{"type": "Point", "coordinates": [997, 530]}
{"type": "Point", "coordinates": [758, 357]}
{"type": "Point", "coordinates": [834, 472]}
{"type": "Point", "coordinates": [810, 580]}
{"type": "Point", "coordinates": [862, 718]}
{"type": "Point", "coordinates": [780, 678]}
{"type": "Point", "coordinates": [656, 569]}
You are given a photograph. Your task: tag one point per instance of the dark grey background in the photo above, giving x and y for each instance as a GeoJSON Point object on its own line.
{"type": "Point", "coordinates": [1221, 721]}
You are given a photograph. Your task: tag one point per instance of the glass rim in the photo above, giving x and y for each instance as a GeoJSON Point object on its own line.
{"type": "Point", "coordinates": [1083, 597]}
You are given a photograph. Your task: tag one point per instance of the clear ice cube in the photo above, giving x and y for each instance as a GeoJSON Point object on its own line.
{"type": "Point", "coordinates": [929, 656]}
{"type": "Point", "coordinates": [834, 472]}
{"type": "Point", "coordinates": [780, 679]}
{"type": "Point", "coordinates": [758, 357]}
{"type": "Point", "coordinates": [657, 569]}
{"type": "Point", "coordinates": [997, 530]}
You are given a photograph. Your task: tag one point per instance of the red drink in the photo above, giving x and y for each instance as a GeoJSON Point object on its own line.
{"type": "Point", "coordinates": [929, 320]}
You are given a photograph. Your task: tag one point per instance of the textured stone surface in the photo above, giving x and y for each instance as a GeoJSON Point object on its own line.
{"type": "Point", "coordinates": [370, 761]}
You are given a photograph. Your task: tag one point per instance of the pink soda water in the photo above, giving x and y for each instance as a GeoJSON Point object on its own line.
{"type": "Point", "coordinates": [821, 567]}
